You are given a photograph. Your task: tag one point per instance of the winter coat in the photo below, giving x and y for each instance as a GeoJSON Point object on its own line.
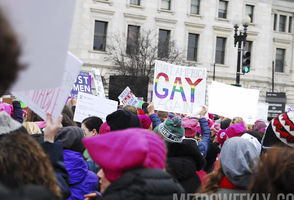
{"type": "Point", "coordinates": [54, 152]}
{"type": "Point", "coordinates": [17, 111]}
{"type": "Point", "coordinates": [183, 160]}
{"type": "Point", "coordinates": [143, 184]}
{"type": "Point", "coordinates": [205, 139]}
{"type": "Point", "coordinates": [82, 181]}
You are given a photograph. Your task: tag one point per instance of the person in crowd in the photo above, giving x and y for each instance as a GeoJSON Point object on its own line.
{"type": "Point", "coordinates": [122, 119]}
{"type": "Point", "coordinates": [203, 145]}
{"type": "Point", "coordinates": [9, 55]}
{"type": "Point", "coordinates": [27, 192]}
{"type": "Point", "coordinates": [67, 117]}
{"type": "Point", "coordinates": [136, 168]}
{"type": "Point", "coordinates": [238, 158]}
{"type": "Point", "coordinates": [162, 115]}
{"type": "Point", "coordinates": [236, 120]}
{"type": "Point", "coordinates": [259, 125]}
{"type": "Point", "coordinates": [274, 175]}
{"type": "Point", "coordinates": [279, 132]}
{"type": "Point", "coordinates": [234, 130]}
{"type": "Point", "coordinates": [31, 118]}
{"type": "Point", "coordinates": [131, 109]}
{"type": "Point", "coordinates": [225, 123]}
{"type": "Point", "coordinates": [146, 122]}
{"type": "Point", "coordinates": [32, 128]}
{"type": "Point", "coordinates": [145, 107]}
{"type": "Point", "coordinates": [82, 181]}
{"type": "Point", "coordinates": [22, 160]}
{"type": "Point", "coordinates": [104, 128]}
{"type": "Point", "coordinates": [91, 126]}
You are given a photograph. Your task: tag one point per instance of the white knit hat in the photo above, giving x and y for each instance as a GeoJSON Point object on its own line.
{"type": "Point", "coordinates": [7, 124]}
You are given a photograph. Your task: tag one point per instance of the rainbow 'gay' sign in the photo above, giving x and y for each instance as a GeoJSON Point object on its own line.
{"type": "Point", "coordinates": [178, 89]}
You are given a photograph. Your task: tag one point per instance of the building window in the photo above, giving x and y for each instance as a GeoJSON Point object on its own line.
{"type": "Point", "coordinates": [248, 47]}
{"type": "Point", "coordinates": [192, 47]}
{"type": "Point", "coordinates": [163, 43]}
{"type": "Point", "coordinates": [275, 21]}
{"type": "Point", "coordinates": [280, 58]}
{"type": "Point", "coordinates": [100, 35]}
{"type": "Point", "coordinates": [223, 9]}
{"type": "Point", "coordinates": [282, 23]}
{"type": "Point", "coordinates": [135, 2]}
{"type": "Point", "coordinates": [220, 50]}
{"type": "Point", "coordinates": [195, 7]}
{"type": "Point", "coordinates": [132, 39]}
{"type": "Point", "coordinates": [290, 25]}
{"type": "Point", "coordinates": [250, 12]}
{"type": "Point", "coordinates": [166, 4]}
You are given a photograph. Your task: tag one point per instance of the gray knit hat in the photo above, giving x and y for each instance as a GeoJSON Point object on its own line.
{"type": "Point", "coordinates": [7, 124]}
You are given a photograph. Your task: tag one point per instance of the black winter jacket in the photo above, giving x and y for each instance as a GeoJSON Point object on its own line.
{"type": "Point", "coordinates": [183, 160]}
{"type": "Point", "coordinates": [143, 184]}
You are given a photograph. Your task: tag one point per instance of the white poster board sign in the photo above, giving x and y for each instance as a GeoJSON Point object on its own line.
{"type": "Point", "coordinates": [231, 101]}
{"type": "Point", "coordinates": [89, 105]}
{"type": "Point", "coordinates": [128, 98]}
{"type": "Point", "coordinates": [179, 89]}
{"type": "Point", "coordinates": [98, 83]}
{"type": "Point", "coordinates": [52, 101]}
{"type": "Point", "coordinates": [262, 111]}
{"type": "Point", "coordinates": [43, 30]}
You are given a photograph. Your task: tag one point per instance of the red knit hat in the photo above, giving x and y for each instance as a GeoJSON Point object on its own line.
{"type": "Point", "coordinates": [123, 150]}
{"type": "Point", "coordinates": [145, 121]}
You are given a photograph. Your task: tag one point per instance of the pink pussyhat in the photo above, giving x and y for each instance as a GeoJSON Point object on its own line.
{"type": "Point", "coordinates": [145, 121]}
{"type": "Point", "coordinates": [123, 150]}
{"type": "Point", "coordinates": [190, 126]}
{"type": "Point", "coordinates": [6, 107]}
{"type": "Point", "coordinates": [104, 128]}
{"type": "Point", "coordinates": [236, 130]}
{"type": "Point", "coordinates": [221, 137]}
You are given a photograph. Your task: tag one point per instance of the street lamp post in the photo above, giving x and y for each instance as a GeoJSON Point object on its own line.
{"type": "Point", "coordinates": [240, 39]}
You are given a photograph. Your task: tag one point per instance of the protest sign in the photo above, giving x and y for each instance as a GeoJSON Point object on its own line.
{"type": "Point", "coordinates": [230, 101]}
{"type": "Point", "coordinates": [262, 111]}
{"type": "Point", "coordinates": [179, 89]}
{"type": "Point", "coordinates": [98, 83]}
{"type": "Point", "coordinates": [89, 105]}
{"type": "Point", "coordinates": [82, 84]}
{"type": "Point", "coordinates": [52, 101]}
{"type": "Point", "coordinates": [128, 98]}
{"type": "Point", "coordinates": [43, 31]}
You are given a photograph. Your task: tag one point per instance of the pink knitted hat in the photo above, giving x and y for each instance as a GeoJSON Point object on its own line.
{"type": "Point", "coordinates": [235, 130]}
{"type": "Point", "coordinates": [145, 121]}
{"type": "Point", "coordinates": [190, 126]}
{"type": "Point", "coordinates": [6, 107]}
{"type": "Point", "coordinates": [221, 137]}
{"type": "Point", "coordinates": [123, 150]}
{"type": "Point", "coordinates": [215, 127]}
{"type": "Point", "coordinates": [104, 128]}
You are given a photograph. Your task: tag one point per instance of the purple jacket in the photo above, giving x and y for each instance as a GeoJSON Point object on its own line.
{"type": "Point", "coordinates": [82, 181]}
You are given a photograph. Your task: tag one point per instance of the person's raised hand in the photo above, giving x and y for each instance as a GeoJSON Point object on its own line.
{"type": "Point", "coordinates": [150, 108]}
{"type": "Point", "coordinates": [51, 128]}
{"type": "Point", "coordinates": [203, 111]}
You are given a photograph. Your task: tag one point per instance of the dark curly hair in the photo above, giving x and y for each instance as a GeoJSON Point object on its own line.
{"type": "Point", "coordinates": [9, 55]}
{"type": "Point", "coordinates": [23, 161]}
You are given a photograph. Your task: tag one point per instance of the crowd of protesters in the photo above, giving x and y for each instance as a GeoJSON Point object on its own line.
{"type": "Point", "coordinates": [137, 153]}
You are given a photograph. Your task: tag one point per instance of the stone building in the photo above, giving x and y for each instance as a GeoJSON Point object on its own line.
{"type": "Point", "coordinates": [202, 29]}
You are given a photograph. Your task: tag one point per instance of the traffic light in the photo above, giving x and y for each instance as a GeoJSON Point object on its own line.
{"type": "Point", "coordinates": [246, 62]}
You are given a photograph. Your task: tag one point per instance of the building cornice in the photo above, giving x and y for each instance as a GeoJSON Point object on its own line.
{"type": "Point", "coordinates": [195, 25]}
{"type": "Point", "coordinates": [100, 11]}
{"type": "Point", "coordinates": [163, 20]}
{"type": "Point", "coordinates": [282, 41]}
{"type": "Point", "coordinates": [133, 16]}
{"type": "Point", "coordinates": [222, 29]}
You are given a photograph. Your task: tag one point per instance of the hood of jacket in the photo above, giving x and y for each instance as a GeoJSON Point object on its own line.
{"type": "Point", "coordinates": [75, 165]}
